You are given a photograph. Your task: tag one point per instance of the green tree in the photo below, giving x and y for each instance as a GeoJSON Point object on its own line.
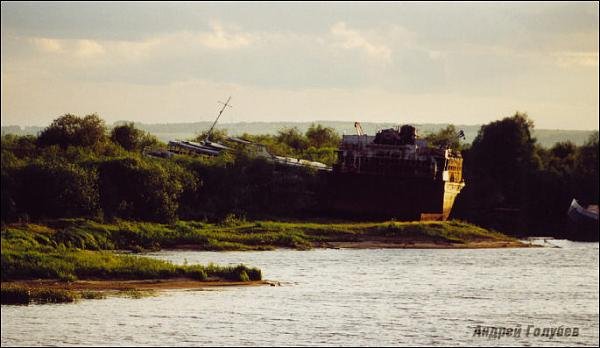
{"type": "Point", "coordinates": [326, 155]}
{"type": "Point", "coordinates": [56, 189]}
{"type": "Point", "coordinates": [218, 135]}
{"type": "Point", "coordinates": [319, 136]}
{"type": "Point", "coordinates": [559, 159]}
{"type": "Point", "coordinates": [139, 189]}
{"type": "Point", "coordinates": [504, 151]}
{"type": "Point", "coordinates": [71, 130]}
{"type": "Point", "coordinates": [586, 170]}
{"type": "Point", "coordinates": [20, 146]}
{"type": "Point", "coordinates": [499, 169]}
{"type": "Point", "coordinates": [7, 198]}
{"type": "Point", "coordinates": [293, 138]}
{"type": "Point", "coordinates": [271, 142]}
{"type": "Point", "coordinates": [445, 137]}
{"type": "Point", "coordinates": [131, 138]}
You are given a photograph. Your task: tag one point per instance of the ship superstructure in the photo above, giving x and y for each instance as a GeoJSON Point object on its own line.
{"type": "Point", "coordinates": [394, 174]}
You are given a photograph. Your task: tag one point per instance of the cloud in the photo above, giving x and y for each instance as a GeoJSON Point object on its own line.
{"type": "Point", "coordinates": [118, 51]}
{"type": "Point", "coordinates": [224, 39]}
{"type": "Point", "coordinates": [79, 48]}
{"type": "Point", "coordinates": [353, 39]}
{"type": "Point", "coordinates": [47, 45]}
{"type": "Point", "coordinates": [89, 48]}
{"type": "Point", "coordinates": [576, 59]}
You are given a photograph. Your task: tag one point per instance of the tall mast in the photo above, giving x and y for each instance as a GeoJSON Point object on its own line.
{"type": "Point", "coordinates": [225, 105]}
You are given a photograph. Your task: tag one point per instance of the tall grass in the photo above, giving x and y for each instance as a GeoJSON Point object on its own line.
{"type": "Point", "coordinates": [70, 265]}
{"type": "Point", "coordinates": [72, 249]}
{"type": "Point", "coordinates": [24, 295]}
{"type": "Point", "coordinates": [241, 235]}
{"type": "Point", "coordinates": [77, 249]}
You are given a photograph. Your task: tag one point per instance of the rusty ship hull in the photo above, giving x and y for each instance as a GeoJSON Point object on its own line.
{"type": "Point", "coordinates": [408, 199]}
{"type": "Point", "coordinates": [397, 177]}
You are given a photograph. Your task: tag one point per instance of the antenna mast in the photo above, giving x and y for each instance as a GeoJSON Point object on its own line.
{"type": "Point", "coordinates": [225, 105]}
{"type": "Point", "coordinates": [359, 130]}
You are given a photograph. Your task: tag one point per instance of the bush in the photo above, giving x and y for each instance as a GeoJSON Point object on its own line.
{"type": "Point", "coordinates": [138, 189]}
{"type": "Point", "coordinates": [56, 190]}
{"type": "Point", "coordinates": [73, 130]}
{"type": "Point", "coordinates": [131, 138]}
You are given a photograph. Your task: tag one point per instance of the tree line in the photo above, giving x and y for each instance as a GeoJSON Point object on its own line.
{"type": "Point", "coordinates": [318, 143]}
{"type": "Point", "coordinates": [76, 167]}
{"type": "Point", "coordinates": [518, 186]}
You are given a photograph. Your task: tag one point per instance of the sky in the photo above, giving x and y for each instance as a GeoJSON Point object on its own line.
{"type": "Point", "coordinates": [460, 63]}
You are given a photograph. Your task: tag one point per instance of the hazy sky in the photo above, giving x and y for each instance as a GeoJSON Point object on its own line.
{"type": "Point", "coordinates": [462, 63]}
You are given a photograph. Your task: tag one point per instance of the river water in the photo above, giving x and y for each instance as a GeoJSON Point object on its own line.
{"type": "Point", "coordinates": [344, 297]}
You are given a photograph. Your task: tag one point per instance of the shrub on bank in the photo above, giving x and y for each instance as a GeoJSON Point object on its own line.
{"type": "Point", "coordinates": [24, 295]}
{"type": "Point", "coordinates": [71, 265]}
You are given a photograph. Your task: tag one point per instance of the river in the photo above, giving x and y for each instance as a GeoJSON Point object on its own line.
{"type": "Point", "coordinates": [345, 297]}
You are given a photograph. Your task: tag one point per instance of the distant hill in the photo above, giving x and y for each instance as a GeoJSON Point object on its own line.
{"type": "Point", "coordinates": [169, 131]}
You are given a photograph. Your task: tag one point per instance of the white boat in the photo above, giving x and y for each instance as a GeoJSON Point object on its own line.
{"type": "Point", "coordinates": [578, 213]}
{"type": "Point", "coordinates": [584, 222]}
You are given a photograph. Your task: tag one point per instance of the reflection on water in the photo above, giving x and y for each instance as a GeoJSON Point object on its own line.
{"type": "Point", "coordinates": [343, 297]}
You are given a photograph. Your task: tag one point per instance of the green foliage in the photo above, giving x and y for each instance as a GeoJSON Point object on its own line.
{"type": "Point", "coordinates": [8, 184]}
{"type": "Point", "coordinates": [319, 136]}
{"type": "Point", "coordinates": [18, 146]}
{"type": "Point", "coordinates": [445, 137]}
{"type": "Point", "coordinates": [92, 295]}
{"type": "Point", "coordinates": [231, 220]}
{"type": "Point", "coordinates": [108, 179]}
{"type": "Point", "coordinates": [293, 139]}
{"type": "Point", "coordinates": [327, 155]}
{"type": "Point", "coordinates": [72, 170]}
{"type": "Point", "coordinates": [504, 152]}
{"type": "Point", "coordinates": [168, 131]}
{"type": "Point", "coordinates": [247, 186]}
{"type": "Point", "coordinates": [142, 189]}
{"type": "Point", "coordinates": [497, 166]}
{"type": "Point", "coordinates": [319, 144]}
{"type": "Point", "coordinates": [54, 189]}
{"type": "Point", "coordinates": [131, 138]}
{"type": "Point", "coordinates": [586, 170]}
{"type": "Point", "coordinates": [75, 253]}
{"type": "Point", "coordinates": [242, 235]}
{"type": "Point", "coordinates": [136, 294]}
{"type": "Point", "coordinates": [15, 295]}
{"type": "Point", "coordinates": [515, 185]}
{"type": "Point", "coordinates": [24, 295]}
{"type": "Point", "coordinates": [217, 135]}
{"type": "Point", "coordinates": [75, 131]}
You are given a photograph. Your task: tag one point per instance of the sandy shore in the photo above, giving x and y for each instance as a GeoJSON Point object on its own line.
{"type": "Point", "coordinates": [390, 243]}
{"type": "Point", "coordinates": [378, 244]}
{"type": "Point", "coordinates": [120, 285]}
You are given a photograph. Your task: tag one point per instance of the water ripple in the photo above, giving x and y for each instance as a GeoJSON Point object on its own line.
{"type": "Point", "coordinates": [342, 297]}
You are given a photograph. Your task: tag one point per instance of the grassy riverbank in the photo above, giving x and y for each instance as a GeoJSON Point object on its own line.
{"type": "Point", "coordinates": [233, 234]}
{"type": "Point", "coordinates": [22, 292]}
{"type": "Point", "coordinates": [58, 259]}
{"type": "Point", "coordinates": [73, 264]}
{"type": "Point", "coordinates": [55, 291]}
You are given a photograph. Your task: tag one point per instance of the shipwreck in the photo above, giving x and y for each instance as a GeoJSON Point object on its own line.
{"type": "Point", "coordinates": [207, 147]}
{"type": "Point", "coordinates": [394, 174]}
